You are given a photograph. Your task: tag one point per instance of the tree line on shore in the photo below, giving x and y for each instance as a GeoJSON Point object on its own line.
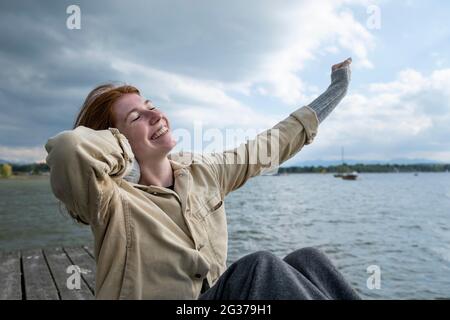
{"type": "Point", "coordinates": [7, 170]}
{"type": "Point", "coordinates": [369, 168]}
{"type": "Point", "coordinates": [39, 168]}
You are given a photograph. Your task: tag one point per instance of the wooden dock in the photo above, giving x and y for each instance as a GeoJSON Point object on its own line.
{"type": "Point", "coordinates": [42, 274]}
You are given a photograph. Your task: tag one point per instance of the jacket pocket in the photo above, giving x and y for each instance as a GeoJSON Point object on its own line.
{"type": "Point", "coordinates": [208, 206]}
{"type": "Point", "coordinates": [212, 217]}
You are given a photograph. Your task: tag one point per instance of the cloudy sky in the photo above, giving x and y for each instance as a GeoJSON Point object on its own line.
{"type": "Point", "coordinates": [234, 64]}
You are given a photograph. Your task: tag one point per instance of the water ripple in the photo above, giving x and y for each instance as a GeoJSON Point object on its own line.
{"type": "Point", "coordinates": [397, 222]}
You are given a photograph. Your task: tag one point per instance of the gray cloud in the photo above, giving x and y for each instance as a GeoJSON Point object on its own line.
{"type": "Point", "coordinates": [47, 69]}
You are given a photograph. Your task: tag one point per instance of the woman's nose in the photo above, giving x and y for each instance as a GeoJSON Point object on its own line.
{"type": "Point", "coordinates": [155, 117]}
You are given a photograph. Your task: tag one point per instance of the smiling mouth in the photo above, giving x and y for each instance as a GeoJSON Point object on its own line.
{"type": "Point", "coordinates": [162, 131]}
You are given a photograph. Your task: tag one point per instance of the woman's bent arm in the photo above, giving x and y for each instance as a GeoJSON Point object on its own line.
{"type": "Point", "coordinates": [85, 166]}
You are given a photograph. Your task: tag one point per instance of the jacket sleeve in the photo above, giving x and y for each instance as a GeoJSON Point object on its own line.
{"type": "Point", "coordinates": [266, 152]}
{"type": "Point", "coordinates": [85, 167]}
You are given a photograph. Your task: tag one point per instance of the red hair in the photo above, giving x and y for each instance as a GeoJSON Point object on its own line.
{"type": "Point", "coordinates": [96, 111]}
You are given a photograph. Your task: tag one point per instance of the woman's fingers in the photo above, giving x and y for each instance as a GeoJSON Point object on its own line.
{"type": "Point", "coordinates": [344, 73]}
{"type": "Point", "coordinates": [341, 65]}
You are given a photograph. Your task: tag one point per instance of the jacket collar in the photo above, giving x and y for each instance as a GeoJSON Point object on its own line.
{"type": "Point", "coordinates": [179, 162]}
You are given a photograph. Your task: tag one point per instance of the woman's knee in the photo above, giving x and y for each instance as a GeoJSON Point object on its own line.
{"type": "Point", "coordinates": [306, 254]}
{"type": "Point", "coordinates": [259, 257]}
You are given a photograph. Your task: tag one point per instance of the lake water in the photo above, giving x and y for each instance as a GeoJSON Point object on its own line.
{"type": "Point", "coordinates": [398, 222]}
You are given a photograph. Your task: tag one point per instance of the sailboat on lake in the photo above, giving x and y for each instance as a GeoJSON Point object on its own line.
{"type": "Point", "coordinates": [345, 173]}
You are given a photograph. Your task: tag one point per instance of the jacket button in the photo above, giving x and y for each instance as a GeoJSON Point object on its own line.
{"type": "Point", "coordinates": [198, 275]}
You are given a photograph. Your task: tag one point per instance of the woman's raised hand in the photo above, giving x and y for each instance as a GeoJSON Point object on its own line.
{"type": "Point", "coordinates": [341, 73]}
{"type": "Point", "coordinates": [340, 80]}
{"type": "Point", "coordinates": [343, 64]}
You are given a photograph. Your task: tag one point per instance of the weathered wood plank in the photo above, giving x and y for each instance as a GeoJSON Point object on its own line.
{"type": "Point", "coordinates": [10, 276]}
{"type": "Point", "coordinates": [90, 250]}
{"type": "Point", "coordinates": [81, 258]}
{"type": "Point", "coordinates": [38, 281]}
{"type": "Point", "coordinates": [59, 262]}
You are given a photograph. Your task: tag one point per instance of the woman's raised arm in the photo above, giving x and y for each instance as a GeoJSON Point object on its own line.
{"type": "Point", "coordinates": [232, 168]}
{"type": "Point", "coordinates": [340, 80]}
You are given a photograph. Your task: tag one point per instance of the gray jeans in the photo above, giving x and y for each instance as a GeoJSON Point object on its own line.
{"type": "Point", "coordinates": [303, 274]}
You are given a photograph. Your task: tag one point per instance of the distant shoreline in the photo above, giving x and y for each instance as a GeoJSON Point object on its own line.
{"type": "Point", "coordinates": [47, 177]}
{"type": "Point", "coordinates": [26, 177]}
{"type": "Point", "coordinates": [369, 168]}
{"type": "Point", "coordinates": [39, 169]}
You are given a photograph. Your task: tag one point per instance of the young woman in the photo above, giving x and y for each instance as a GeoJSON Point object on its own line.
{"type": "Point", "coordinates": [158, 218]}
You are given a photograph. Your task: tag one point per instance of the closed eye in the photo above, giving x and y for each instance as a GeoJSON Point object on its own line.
{"type": "Point", "coordinates": [151, 108]}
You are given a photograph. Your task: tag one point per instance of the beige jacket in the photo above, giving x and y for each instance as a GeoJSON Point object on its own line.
{"type": "Point", "coordinates": [152, 242]}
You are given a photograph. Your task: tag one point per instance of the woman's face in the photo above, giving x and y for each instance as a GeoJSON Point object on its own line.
{"type": "Point", "coordinates": [140, 122]}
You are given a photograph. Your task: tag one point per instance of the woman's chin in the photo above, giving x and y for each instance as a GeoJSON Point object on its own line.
{"type": "Point", "coordinates": [165, 142]}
